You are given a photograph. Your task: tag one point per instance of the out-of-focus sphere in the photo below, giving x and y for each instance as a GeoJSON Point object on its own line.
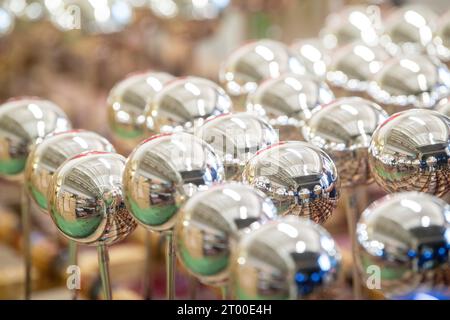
{"type": "Point", "coordinates": [47, 156]}
{"type": "Point", "coordinates": [410, 29]}
{"type": "Point", "coordinates": [29, 10]}
{"type": "Point", "coordinates": [407, 236]}
{"type": "Point", "coordinates": [190, 18]}
{"type": "Point", "coordinates": [353, 23]}
{"type": "Point", "coordinates": [7, 21]}
{"type": "Point", "coordinates": [443, 107]}
{"type": "Point", "coordinates": [254, 62]}
{"type": "Point", "coordinates": [184, 104]}
{"type": "Point", "coordinates": [411, 81]}
{"type": "Point", "coordinates": [24, 122]}
{"type": "Point", "coordinates": [236, 138]}
{"type": "Point", "coordinates": [410, 151]}
{"type": "Point", "coordinates": [299, 178]}
{"type": "Point", "coordinates": [287, 102]}
{"type": "Point", "coordinates": [163, 172]}
{"type": "Point", "coordinates": [91, 17]}
{"type": "Point", "coordinates": [313, 55]}
{"type": "Point", "coordinates": [212, 222]}
{"type": "Point", "coordinates": [289, 258]}
{"type": "Point", "coordinates": [344, 130]}
{"type": "Point", "coordinates": [86, 199]}
{"type": "Point", "coordinates": [127, 101]}
{"type": "Point", "coordinates": [354, 66]}
{"type": "Point", "coordinates": [261, 5]}
{"type": "Point", "coordinates": [442, 40]}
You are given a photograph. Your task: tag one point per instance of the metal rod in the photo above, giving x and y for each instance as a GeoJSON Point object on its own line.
{"type": "Point", "coordinates": [352, 214]}
{"type": "Point", "coordinates": [147, 288]}
{"type": "Point", "coordinates": [26, 229]}
{"type": "Point", "coordinates": [170, 266]}
{"type": "Point", "coordinates": [73, 261]}
{"type": "Point", "coordinates": [103, 263]}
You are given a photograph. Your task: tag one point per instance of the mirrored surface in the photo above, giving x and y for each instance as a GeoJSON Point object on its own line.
{"type": "Point", "coordinates": [313, 55]}
{"type": "Point", "coordinates": [442, 38]}
{"type": "Point", "coordinates": [127, 101]}
{"type": "Point", "coordinates": [212, 222]}
{"type": "Point", "coordinates": [236, 138]}
{"type": "Point", "coordinates": [406, 235]}
{"type": "Point", "coordinates": [288, 100]}
{"type": "Point", "coordinates": [443, 107]}
{"type": "Point", "coordinates": [163, 172]}
{"type": "Point", "coordinates": [47, 156]}
{"type": "Point", "coordinates": [411, 80]}
{"type": "Point", "coordinates": [410, 151]}
{"type": "Point", "coordinates": [248, 65]}
{"type": "Point", "coordinates": [285, 259]}
{"type": "Point", "coordinates": [354, 66]}
{"type": "Point", "coordinates": [344, 129]}
{"type": "Point", "coordinates": [299, 178]}
{"type": "Point", "coordinates": [86, 199]}
{"type": "Point", "coordinates": [24, 122]}
{"type": "Point", "coordinates": [184, 104]}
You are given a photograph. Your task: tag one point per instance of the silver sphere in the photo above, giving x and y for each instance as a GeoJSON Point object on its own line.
{"type": "Point", "coordinates": [236, 138]}
{"type": "Point", "coordinates": [313, 55]}
{"type": "Point", "coordinates": [8, 20]}
{"type": "Point", "coordinates": [406, 235]}
{"type": "Point", "coordinates": [410, 29]}
{"type": "Point", "coordinates": [344, 130]}
{"type": "Point", "coordinates": [353, 23]}
{"type": "Point", "coordinates": [163, 172]}
{"type": "Point", "coordinates": [47, 156]}
{"type": "Point", "coordinates": [27, 10]}
{"type": "Point", "coordinates": [212, 222]}
{"type": "Point", "coordinates": [250, 64]}
{"type": "Point", "coordinates": [85, 199]}
{"type": "Point", "coordinates": [91, 17]}
{"type": "Point", "coordinates": [127, 101]}
{"type": "Point", "coordinates": [441, 42]}
{"type": "Point", "coordinates": [354, 66]}
{"type": "Point", "coordinates": [299, 178]}
{"type": "Point", "coordinates": [24, 122]}
{"type": "Point", "coordinates": [410, 151]}
{"type": "Point", "coordinates": [289, 258]}
{"type": "Point", "coordinates": [184, 104]}
{"type": "Point", "coordinates": [287, 102]}
{"type": "Point", "coordinates": [443, 107]}
{"type": "Point", "coordinates": [411, 81]}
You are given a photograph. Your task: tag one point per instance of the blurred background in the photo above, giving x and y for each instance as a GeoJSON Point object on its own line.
{"type": "Point", "coordinates": [77, 68]}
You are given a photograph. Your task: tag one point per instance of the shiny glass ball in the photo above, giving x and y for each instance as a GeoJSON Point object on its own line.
{"type": "Point", "coordinates": [313, 55]}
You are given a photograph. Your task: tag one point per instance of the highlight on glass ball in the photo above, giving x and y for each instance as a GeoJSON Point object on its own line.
{"type": "Point", "coordinates": [198, 150]}
{"type": "Point", "coordinates": [299, 178]}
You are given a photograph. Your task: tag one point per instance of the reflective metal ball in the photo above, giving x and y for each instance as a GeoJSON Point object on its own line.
{"type": "Point", "coordinates": [344, 130]}
{"type": "Point", "coordinates": [299, 178]}
{"type": "Point", "coordinates": [288, 258]}
{"type": "Point", "coordinates": [127, 101]}
{"type": "Point", "coordinates": [354, 66]}
{"type": "Point", "coordinates": [287, 102]}
{"type": "Point", "coordinates": [410, 151]}
{"type": "Point", "coordinates": [184, 104]}
{"type": "Point", "coordinates": [441, 42]}
{"type": "Point", "coordinates": [163, 172]}
{"type": "Point", "coordinates": [91, 17]}
{"type": "Point", "coordinates": [7, 19]}
{"type": "Point", "coordinates": [28, 10]}
{"type": "Point", "coordinates": [24, 122]}
{"type": "Point", "coordinates": [313, 55]}
{"type": "Point", "coordinates": [250, 64]}
{"type": "Point", "coordinates": [85, 199]}
{"type": "Point", "coordinates": [212, 222]}
{"type": "Point", "coordinates": [353, 23]}
{"type": "Point", "coordinates": [189, 18]}
{"type": "Point", "coordinates": [47, 156]}
{"type": "Point", "coordinates": [406, 235]}
{"type": "Point", "coordinates": [236, 138]}
{"type": "Point", "coordinates": [443, 107]}
{"type": "Point", "coordinates": [410, 29]}
{"type": "Point", "coordinates": [411, 81]}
